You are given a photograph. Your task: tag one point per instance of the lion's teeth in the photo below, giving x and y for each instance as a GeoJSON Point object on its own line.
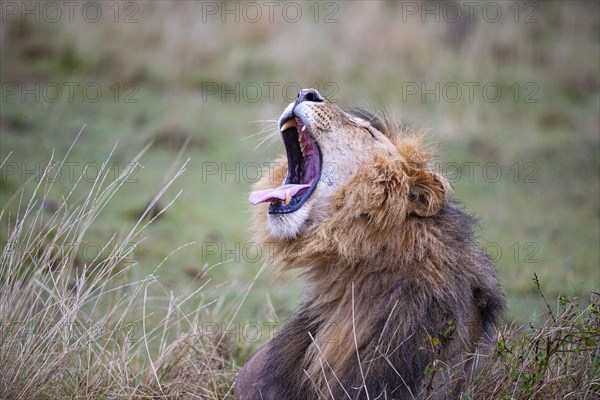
{"type": "Point", "coordinates": [303, 128]}
{"type": "Point", "coordinates": [288, 197]}
{"type": "Point", "coordinates": [302, 145]}
{"type": "Point", "coordinates": [288, 124]}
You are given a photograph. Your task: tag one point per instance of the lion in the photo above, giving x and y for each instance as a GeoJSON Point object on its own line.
{"type": "Point", "coordinates": [398, 299]}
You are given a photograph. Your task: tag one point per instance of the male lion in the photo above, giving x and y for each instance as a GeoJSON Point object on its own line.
{"type": "Point", "coordinates": [398, 298]}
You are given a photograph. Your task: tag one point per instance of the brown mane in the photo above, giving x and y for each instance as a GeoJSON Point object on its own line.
{"type": "Point", "coordinates": [394, 281]}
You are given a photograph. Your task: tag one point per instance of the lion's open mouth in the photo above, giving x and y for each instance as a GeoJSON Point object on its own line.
{"type": "Point", "coordinates": [304, 170]}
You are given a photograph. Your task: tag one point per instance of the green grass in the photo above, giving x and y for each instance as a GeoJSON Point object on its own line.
{"type": "Point", "coordinates": [544, 220]}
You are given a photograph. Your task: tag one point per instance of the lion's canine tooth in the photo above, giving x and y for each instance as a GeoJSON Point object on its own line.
{"type": "Point", "coordinates": [303, 128]}
{"type": "Point", "coordinates": [288, 124]}
{"type": "Point", "coordinates": [288, 197]}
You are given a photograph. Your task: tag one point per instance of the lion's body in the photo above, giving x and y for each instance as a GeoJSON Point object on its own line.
{"type": "Point", "coordinates": [394, 279]}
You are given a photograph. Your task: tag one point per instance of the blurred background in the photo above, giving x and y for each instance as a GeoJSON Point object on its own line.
{"type": "Point", "coordinates": [509, 91]}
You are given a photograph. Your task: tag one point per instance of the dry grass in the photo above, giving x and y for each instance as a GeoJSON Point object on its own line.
{"type": "Point", "coordinates": [82, 328]}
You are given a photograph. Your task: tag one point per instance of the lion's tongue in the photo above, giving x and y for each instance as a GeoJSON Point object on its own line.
{"type": "Point", "coordinates": [282, 193]}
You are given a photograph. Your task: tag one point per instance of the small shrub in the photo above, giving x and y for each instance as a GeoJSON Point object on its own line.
{"type": "Point", "coordinates": [559, 359]}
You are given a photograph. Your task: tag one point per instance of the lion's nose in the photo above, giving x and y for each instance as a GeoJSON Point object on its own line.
{"type": "Point", "coordinates": [309, 95]}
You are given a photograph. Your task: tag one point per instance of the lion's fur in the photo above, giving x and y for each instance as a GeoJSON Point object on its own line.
{"type": "Point", "coordinates": [394, 281]}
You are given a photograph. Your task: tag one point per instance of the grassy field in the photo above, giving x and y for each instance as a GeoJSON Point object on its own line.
{"type": "Point", "coordinates": [510, 92]}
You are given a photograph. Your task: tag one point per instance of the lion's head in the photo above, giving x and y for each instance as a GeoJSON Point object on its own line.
{"type": "Point", "coordinates": [357, 203]}
{"type": "Point", "coordinates": [328, 151]}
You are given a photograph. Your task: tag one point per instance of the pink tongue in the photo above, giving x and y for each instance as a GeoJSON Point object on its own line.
{"type": "Point", "coordinates": [261, 196]}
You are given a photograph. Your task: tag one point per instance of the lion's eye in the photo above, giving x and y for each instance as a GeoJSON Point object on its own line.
{"type": "Point", "coordinates": [370, 130]}
{"type": "Point", "coordinates": [363, 124]}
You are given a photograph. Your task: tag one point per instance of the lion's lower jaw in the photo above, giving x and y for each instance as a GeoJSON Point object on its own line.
{"type": "Point", "coordinates": [287, 226]}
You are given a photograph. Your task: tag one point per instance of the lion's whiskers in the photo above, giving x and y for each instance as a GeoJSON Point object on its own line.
{"type": "Point", "coordinates": [269, 139]}
{"type": "Point", "coordinates": [268, 132]}
{"type": "Point", "coordinates": [270, 125]}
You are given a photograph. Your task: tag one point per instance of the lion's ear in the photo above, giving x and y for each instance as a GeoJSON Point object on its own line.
{"type": "Point", "coordinates": [427, 193]}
